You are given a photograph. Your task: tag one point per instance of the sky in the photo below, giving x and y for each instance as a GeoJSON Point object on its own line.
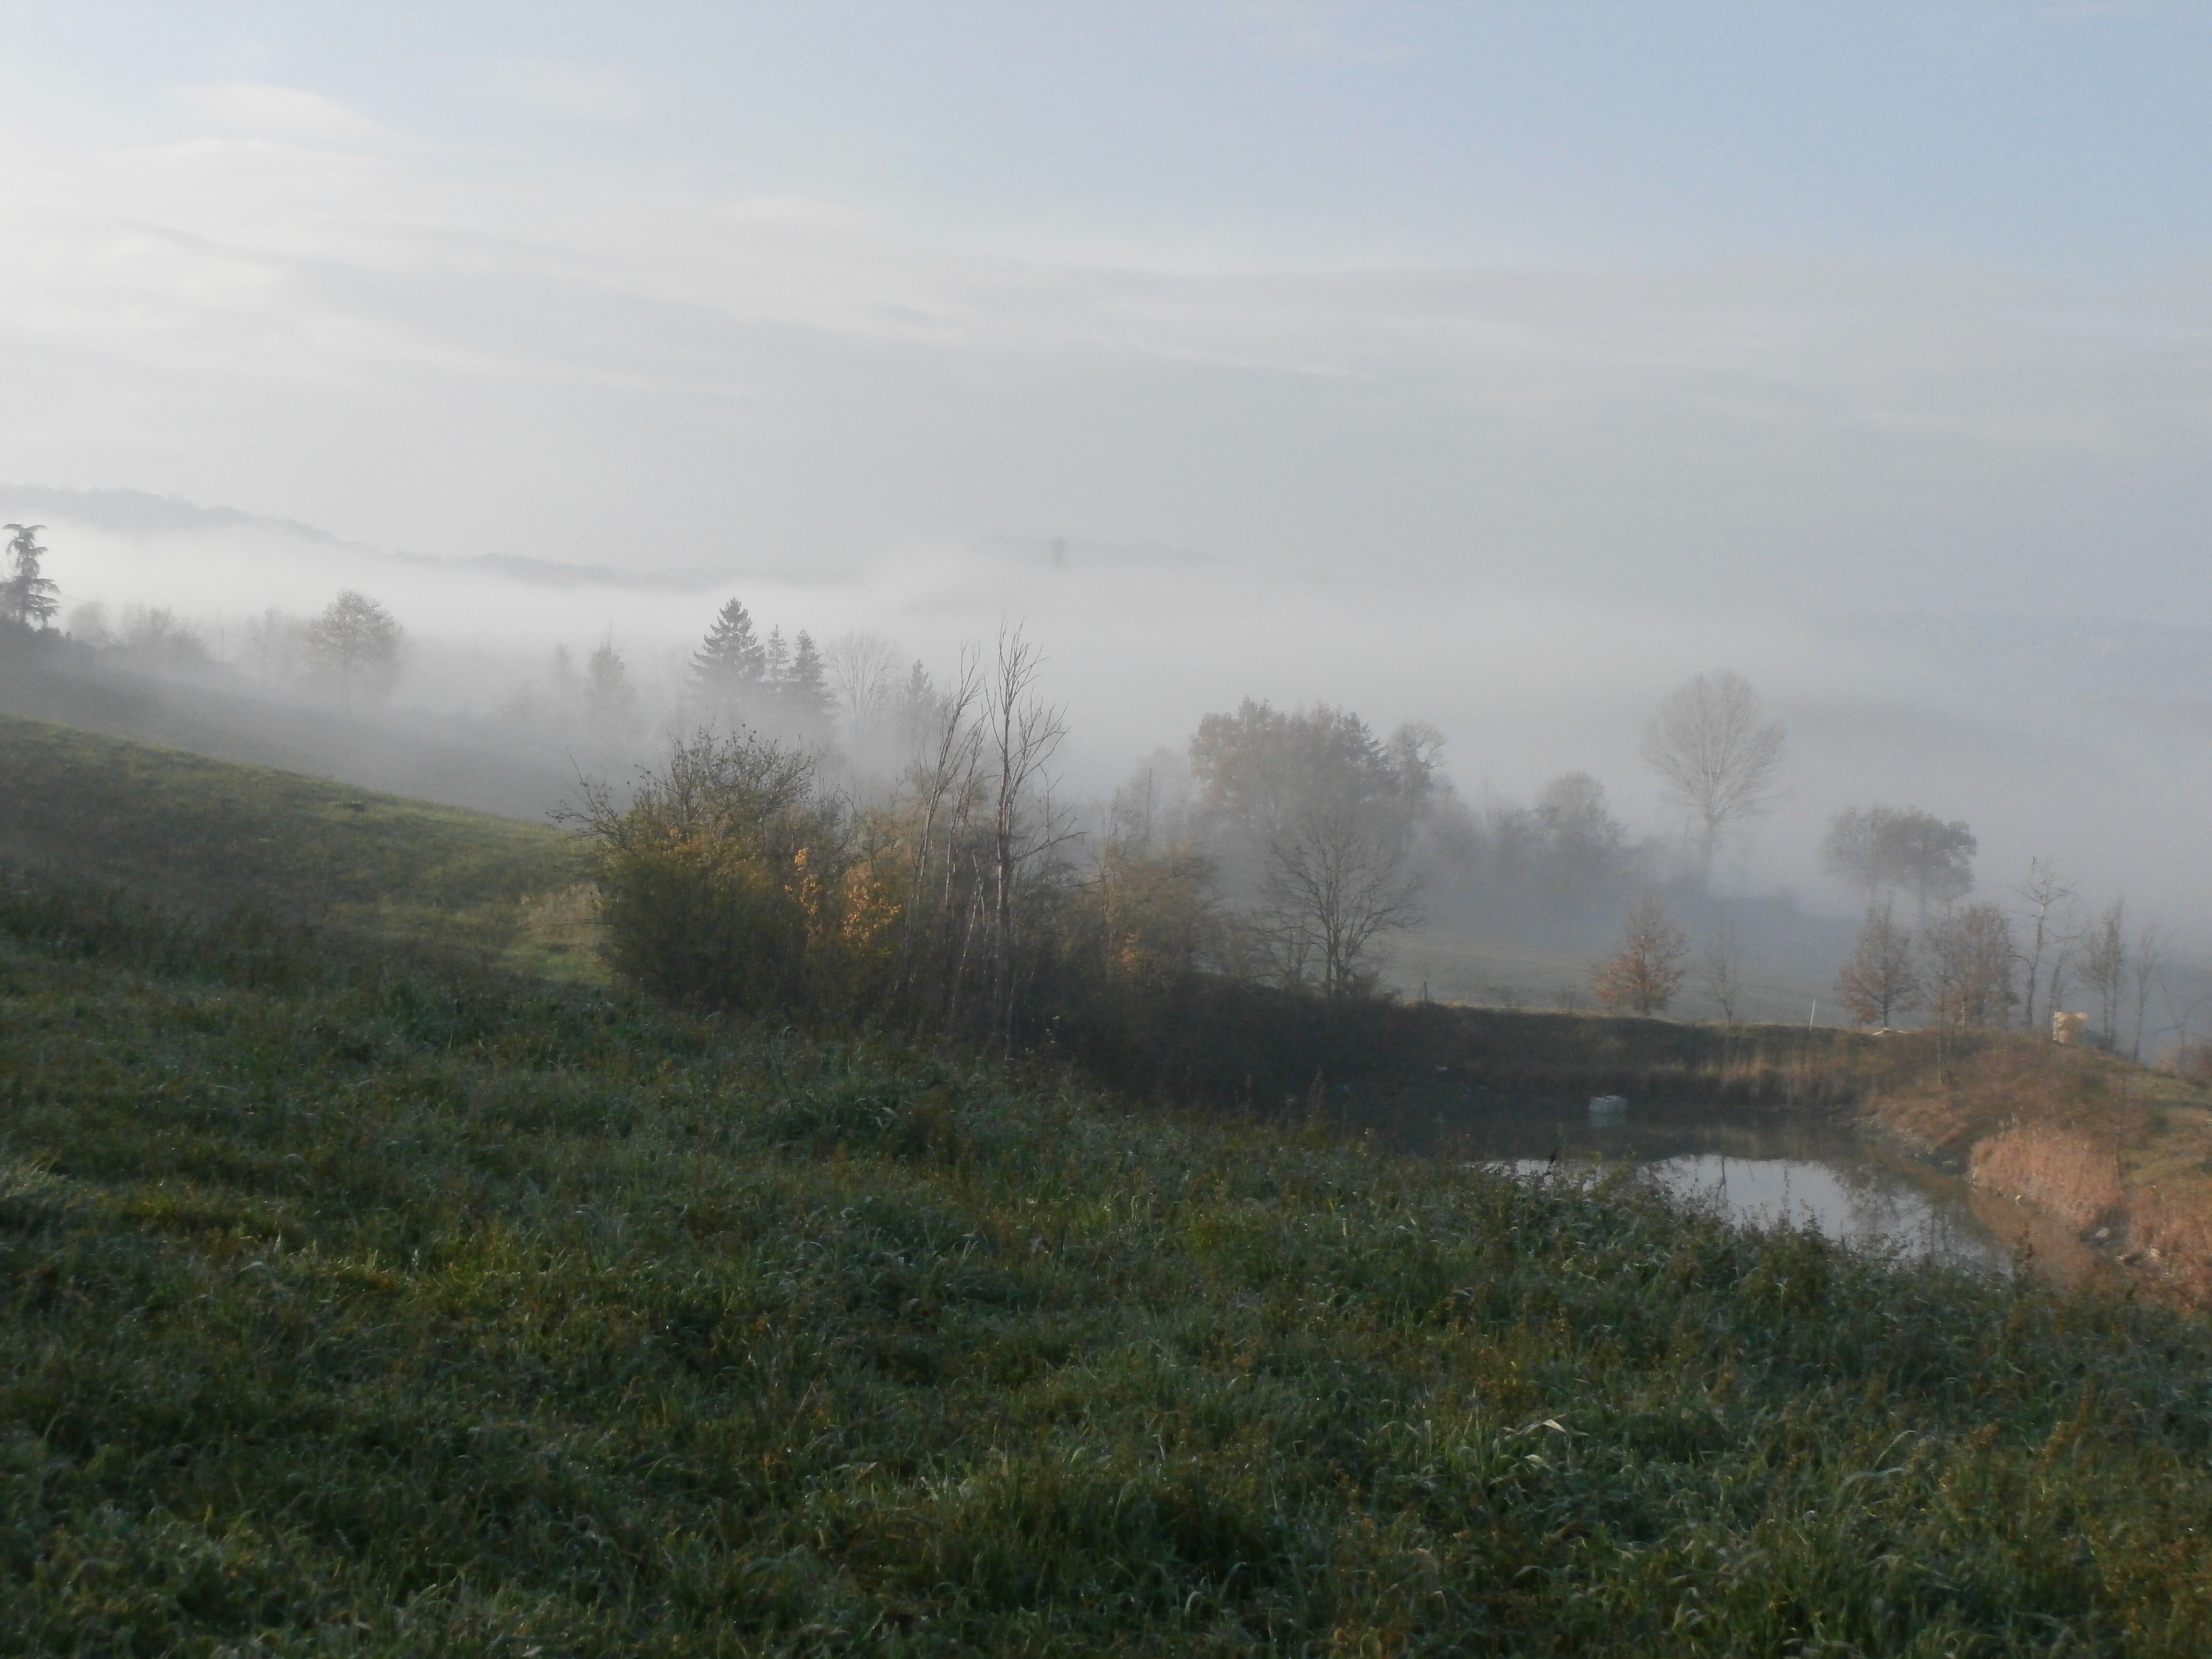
{"type": "Point", "coordinates": [1500, 363]}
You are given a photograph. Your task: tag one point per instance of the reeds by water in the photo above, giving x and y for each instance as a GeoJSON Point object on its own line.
{"type": "Point", "coordinates": [2060, 1171]}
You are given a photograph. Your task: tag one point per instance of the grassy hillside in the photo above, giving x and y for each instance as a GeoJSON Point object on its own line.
{"type": "Point", "coordinates": [361, 1298]}
{"type": "Point", "coordinates": [206, 835]}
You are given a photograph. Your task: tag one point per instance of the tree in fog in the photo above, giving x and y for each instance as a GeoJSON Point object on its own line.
{"type": "Point", "coordinates": [1882, 979]}
{"type": "Point", "coordinates": [1880, 847]}
{"type": "Point", "coordinates": [2044, 894]}
{"type": "Point", "coordinates": [88, 624]}
{"type": "Point", "coordinates": [2104, 969]}
{"type": "Point", "coordinates": [1259, 769]}
{"type": "Point", "coordinates": [1971, 958]}
{"type": "Point", "coordinates": [1644, 974]}
{"type": "Point", "coordinates": [1336, 885]}
{"type": "Point", "coordinates": [610, 700]}
{"type": "Point", "coordinates": [28, 598]}
{"type": "Point", "coordinates": [1720, 971]}
{"type": "Point", "coordinates": [864, 682]}
{"type": "Point", "coordinates": [1308, 817]}
{"type": "Point", "coordinates": [729, 664]}
{"type": "Point", "coordinates": [1716, 757]}
{"type": "Point", "coordinates": [1572, 810]}
{"type": "Point", "coordinates": [803, 693]}
{"type": "Point", "coordinates": [153, 638]}
{"type": "Point", "coordinates": [2143, 977]}
{"type": "Point", "coordinates": [775, 659]}
{"type": "Point", "coordinates": [1021, 735]}
{"type": "Point", "coordinates": [354, 641]}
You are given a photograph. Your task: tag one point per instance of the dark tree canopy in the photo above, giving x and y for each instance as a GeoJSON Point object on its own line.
{"type": "Point", "coordinates": [1258, 768]}
{"type": "Point", "coordinates": [1903, 848]}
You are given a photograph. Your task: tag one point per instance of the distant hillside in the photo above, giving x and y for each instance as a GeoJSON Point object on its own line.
{"type": "Point", "coordinates": [140, 513]}
{"type": "Point", "coordinates": [422, 756]}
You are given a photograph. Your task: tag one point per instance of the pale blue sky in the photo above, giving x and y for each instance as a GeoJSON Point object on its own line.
{"type": "Point", "coordinates": [1784, 306]}
{"type": "Point", "coordinates": [2075, 134]}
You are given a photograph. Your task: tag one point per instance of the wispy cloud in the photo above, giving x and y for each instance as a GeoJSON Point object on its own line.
{"type": "Point", "coordinates": [1723, 433]}
{"type": "Point", "coordinates": [265, 110]}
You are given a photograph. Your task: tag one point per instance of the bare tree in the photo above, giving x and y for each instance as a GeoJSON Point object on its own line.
{"type": "Point", "coordinates": [1644, 974]}
{"type": "Point", "coordinates": [1720, 971]}
{"type": "Point", "coordinates": [864, 675]}
{"type": "Point", "coordinates": [1715, 753]}
{"type": "Point", "coordinates": [1336, 884]}
{"type": "Point", "coordinates": [943, 778]}
{"type": "Point", "coordinates": [2105, 963]}
{"type": "Point", "coordinates": [2145, 977]}
{"type": "Point", "coordinates": [2043, 893]}
{"type": "Point", "coordinates": [1021, 735]}
{"type": "Point", "coordinates": [1882, 979]}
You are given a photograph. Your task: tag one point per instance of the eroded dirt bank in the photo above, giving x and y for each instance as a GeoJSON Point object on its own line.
{"type": "Point", "coordinates": [2070, 1147]}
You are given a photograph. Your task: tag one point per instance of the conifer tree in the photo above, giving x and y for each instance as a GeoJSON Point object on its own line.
{"type": "Point", "coordinates": [805, 689]}
{"type": "Point", "coordinates": [730, 661]}
{"type": "Point", "coordinates": [25, 595]}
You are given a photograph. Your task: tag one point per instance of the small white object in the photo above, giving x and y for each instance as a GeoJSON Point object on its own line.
{"type": "Point", "coordinates": [1606, 1109]}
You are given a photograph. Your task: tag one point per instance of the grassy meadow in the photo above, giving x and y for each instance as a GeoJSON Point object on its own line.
{"type": "Point", "coordinates": [206, 836]}
{"type": "Point", "coordinates": [361, 1292]}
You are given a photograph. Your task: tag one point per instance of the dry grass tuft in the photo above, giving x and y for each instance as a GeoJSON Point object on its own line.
{"type": "Point", "coordinates": [1981, 1086]}
{"type": "Point", "coordinates": [2062, 1170]}
{"type": "Point", "coordinates": [2171, 1233]}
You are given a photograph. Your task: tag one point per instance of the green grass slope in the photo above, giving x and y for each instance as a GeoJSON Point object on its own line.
{"type": "Point", "coordinates": [207, 836]}
{"type": "Point", "coordinates": [355, 1300]}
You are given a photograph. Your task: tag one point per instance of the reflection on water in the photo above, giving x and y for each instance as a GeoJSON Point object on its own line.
{"type": "Point", "coordinates": [1760, 1169]}
{"type": "Point", "coordinates": [1874, 1209]}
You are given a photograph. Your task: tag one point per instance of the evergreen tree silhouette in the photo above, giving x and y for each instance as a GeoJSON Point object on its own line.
{"type": "Point", "coordinates": [731, 662]}
{"type": "Point", "coordinates": [25, 596]}
{"type": "Point", "coordinates": [805, 689]}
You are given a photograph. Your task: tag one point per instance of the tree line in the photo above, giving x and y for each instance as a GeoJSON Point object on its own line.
{"type": "Point", "coordinates": [1284, 848]}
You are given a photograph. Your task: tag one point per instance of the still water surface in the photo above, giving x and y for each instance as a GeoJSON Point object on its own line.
{"type": "Point", "coordinates": [1760, 1167]}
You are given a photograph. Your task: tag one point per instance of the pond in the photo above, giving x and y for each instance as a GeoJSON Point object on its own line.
{"type": "Point", "coordinates": [1764, 1167]}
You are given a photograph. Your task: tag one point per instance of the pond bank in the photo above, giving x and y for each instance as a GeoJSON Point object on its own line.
{"type": "Point", "coordinates": [2095, 1159]}
{"type": "Point", "coordinates": [2090, 1168]}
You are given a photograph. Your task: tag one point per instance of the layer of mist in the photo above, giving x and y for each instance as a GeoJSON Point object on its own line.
{"type": "Point", "coordinates": [2075, 741]}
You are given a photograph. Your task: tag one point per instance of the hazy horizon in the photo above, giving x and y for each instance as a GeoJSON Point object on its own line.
{"type": "Point", "coordinates": [1497, 366]}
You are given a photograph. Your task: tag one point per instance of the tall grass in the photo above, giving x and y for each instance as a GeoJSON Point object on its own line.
{"type": "Point", "coordinates": [2065, 1172]}
{"type": "Point", "coordinates": [355, 1301]}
